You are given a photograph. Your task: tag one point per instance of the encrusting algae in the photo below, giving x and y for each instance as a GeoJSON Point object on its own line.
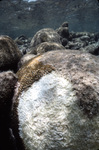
{"type": "Point", "coordinates": [32, 71]}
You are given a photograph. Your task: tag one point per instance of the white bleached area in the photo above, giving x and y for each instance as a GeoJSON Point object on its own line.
{"type": "Point", "coordinates": [49, 117]}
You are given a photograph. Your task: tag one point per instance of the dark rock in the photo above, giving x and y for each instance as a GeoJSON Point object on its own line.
{"type": "Point", "coordinates": [7, 141]}
{"type": "Point", "coordinates": [92, 48]}
{"type": "Point", "coordinates": [85, 38]}
{"type": "Point", "coordinates": [83, 41]}
{"type": "Point", "coordinates": [65, 24]}
{"type": "Point", "coordinates": [76, 44]}
{"type": "Point", "coordinates": [56, 102]}
{"type": "Point", "coordinates": [63, 32]}
{"type": "Point", "coordinates": [45, 35]}
{"type": "Point", "coordinates": [64, 41]}
{"type": "Point", "coordinates": [9, 54]}
{"type": "Point", "coordinates": [96, 37]}
{"type": "Point", "coordinates": [72, 35]}
{"type": "Point", "coordinates": [80, 34]}
{"type": "Point", "coordinates": [23, 43]}
{"type": "Point", "coordinates": [7, 84]}
{"type": "Point", "coordinates": [93, 37]}
{"type": "Point", "coordinates": [22, 38]}
{"type": "Point", "coordinates": [46, 46]}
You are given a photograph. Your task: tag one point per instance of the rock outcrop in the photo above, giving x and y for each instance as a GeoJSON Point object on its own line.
{"type": "Point", "coordinates": [56, 102]}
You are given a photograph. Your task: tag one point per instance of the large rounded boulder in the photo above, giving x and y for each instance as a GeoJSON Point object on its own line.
{"type": "Point", "coordinates": [7, 84]}
{"type": "Point", "coordinates": [9, 54]}
{"type": "Point", "coordinates": [45, 47]}
{"type": "Point", "coordinates": [45, 35]}
{"type": "Point", "coordinates": [56, 102]}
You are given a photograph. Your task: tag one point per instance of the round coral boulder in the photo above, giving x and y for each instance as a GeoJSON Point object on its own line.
{"type": "Point", "coordinates": [56, 102]}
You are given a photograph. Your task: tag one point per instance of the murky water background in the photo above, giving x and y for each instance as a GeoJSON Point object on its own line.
{"type": "Point", "coordinates": [19, 17]}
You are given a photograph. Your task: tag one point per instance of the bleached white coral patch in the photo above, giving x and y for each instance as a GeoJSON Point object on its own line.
{"type": "Point", "coordinates": [50, 119]}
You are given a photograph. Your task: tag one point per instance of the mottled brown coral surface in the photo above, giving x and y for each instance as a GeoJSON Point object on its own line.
{"type": "Point", "coordinates": [56, 102]}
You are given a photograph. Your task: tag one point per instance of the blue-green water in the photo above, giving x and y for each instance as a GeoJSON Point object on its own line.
{"type": "Point", "coordinates": [26, 17]}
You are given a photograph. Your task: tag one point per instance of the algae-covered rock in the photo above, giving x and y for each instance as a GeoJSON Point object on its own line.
{"type": "Point", "coordinates": [9, 54]}
{"type": "Point", "coordinates": [46, 46]}
{"type": "Point", "coordinates": [45, 35]}
{"type": "Point", "coordinates": [56, 102]}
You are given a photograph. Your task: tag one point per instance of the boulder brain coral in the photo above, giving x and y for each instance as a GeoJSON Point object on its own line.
{"type": "Point", "coordinates": [56, 102]}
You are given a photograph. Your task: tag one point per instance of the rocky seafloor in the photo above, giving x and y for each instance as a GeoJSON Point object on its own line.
{"type": "Point", "coordinates": [76, 55]}
{"type": "Point", "coordinates": [83, 41]}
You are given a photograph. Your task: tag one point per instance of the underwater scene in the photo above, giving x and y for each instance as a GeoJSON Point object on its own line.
{"type": "Point", "coordinates": [49, 74]}
{"type": "Point", "coordinates": [26, 17]}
